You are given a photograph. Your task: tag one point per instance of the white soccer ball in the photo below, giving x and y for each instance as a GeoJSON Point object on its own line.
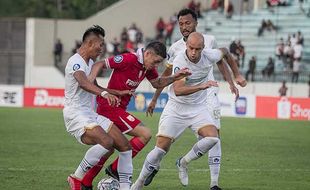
{"type": "Point", "coordinates": [108, 184]}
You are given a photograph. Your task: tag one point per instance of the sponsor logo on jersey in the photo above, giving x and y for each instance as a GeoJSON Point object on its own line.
{"type": "Point", "coordinates": [118, 58]}
{"type": "Point", "coordinates": [131, 83]}
{"type": "Point", "coordinates": [130, 118]}
{"type": "Point", "coordinates": [76, 67]}
{"type": "Point", "coordinates": [176, 69]}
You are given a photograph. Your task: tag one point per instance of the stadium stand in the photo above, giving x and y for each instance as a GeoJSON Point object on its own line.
{"type": "Point", "coordinates": [289, 19]}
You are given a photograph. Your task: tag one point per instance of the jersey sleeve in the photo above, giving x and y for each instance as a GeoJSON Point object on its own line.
{"type": "Point", "coordinates": [152, 74]}
{"type": "Point", "coordinates": [214, 44]}
{"type": "Point", "coordinates": [75, 65]}
{"type": "Point", "coordinates": [170, 58]}
{"type": "Point", "coordinates": [178, 63]}
{"type": "Point", "coordinates": [214, 55]}
{"type": "Point", "coordinates": [120, 61]}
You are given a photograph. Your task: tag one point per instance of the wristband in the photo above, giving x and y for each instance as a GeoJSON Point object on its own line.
{"type": "Point", "coordinates": [103, 93]}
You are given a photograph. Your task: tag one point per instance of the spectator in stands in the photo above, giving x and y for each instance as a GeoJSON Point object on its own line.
{"type": "Point", "coordinates": [300, 38]}
{"type": "Point", "coordinates": [160, 26]}
{"type": "Point", "coordinates": [241, 53]}
{"type": "Point", "coordinates": [280, 49]}
{"type": "Point", "coordinates": [229, 10]}
{"type": "Point", "coordinates": [252, 67]}
{"type": "Point", "coordinates": [132, 33]}
{"type": "Point", "coordinates": [192, 5]}
{"type": "Point", "coordinates": [262, 28]}
{"type": "Point", "coordinates": [293, 40]}
{"type": "Point", "coordinates": [124, 36]}
{"type": "Point", "coordinates": [169, 31]}
{"type": "Point", "coordinates": [77, 46]}
{"type": "Point", "coordinates": [283, 89]}
{"type": "Point", "coordinates": [116, 45]}
{"type": "Point", "coordinates": [233, 48]}
{"type": "Point", "coordinates": [288, 56]}
{"type": "Point", "coordinates": [297, 49]}
{"type": "Point", "coordinates": [58, 50]}
{"type": "Point", "coordinates": [270, 26]}
{"type": "Point", "coordinates": [245, 7]}
{"type": "Point", "coordinates": [269, 68]}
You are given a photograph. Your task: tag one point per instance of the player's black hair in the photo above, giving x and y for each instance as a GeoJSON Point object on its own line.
{"type": "Point", "coordinates": [95, 29]}
{"type": "Point", "coordinates": [184, 12]}
{"type": "Point", "coordinates": [158, 47]}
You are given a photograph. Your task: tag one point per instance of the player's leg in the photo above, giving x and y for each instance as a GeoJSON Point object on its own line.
{"type": "Point", "coordinates": [209, 133]}
{"type": "Point", "coordinates": [122, 145]}
{"type": "Point", "coordinates": [141, 136]}
{"type": "Point", "coordinates": [152, 161]}
{"type": "Point", "coordinates": [215, 154]}
{"type": "Point", "coordinates": [103, 143]}
{"type": "Point", "coordinates": [131, 125]}
{"type": "Point", "coordinates": [171, 126]}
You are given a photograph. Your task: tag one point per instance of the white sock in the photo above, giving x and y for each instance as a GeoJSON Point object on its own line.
{"type": "Point", "coordinates": [152, 161]}
{"type": "Point", "coordinates": [90, 159]}
{"type": "Point", "coordinates": [199, 149]}
{"type": "Point", "coordinates": [215, 154]}
{"type": "Point", "coordinates": [124, 168]}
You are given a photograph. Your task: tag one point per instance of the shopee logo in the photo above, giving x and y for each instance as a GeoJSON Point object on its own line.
{"type": "Point", "coordinates": [298, 111]}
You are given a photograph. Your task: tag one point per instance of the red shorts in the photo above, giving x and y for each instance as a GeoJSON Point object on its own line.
{"type": "Point", "coordinates": [122, 119]}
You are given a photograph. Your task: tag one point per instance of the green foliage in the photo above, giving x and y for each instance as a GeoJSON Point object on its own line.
{"type": "Point", "coordinates": [74, 9]}
{"type": "Point", "coordinates": [37, 153]}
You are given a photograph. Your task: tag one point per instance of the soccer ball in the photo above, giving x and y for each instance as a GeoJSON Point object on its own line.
{"type": "Point", "coordinates": [108, 184]}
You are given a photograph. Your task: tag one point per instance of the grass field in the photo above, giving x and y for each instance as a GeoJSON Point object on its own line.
{"type": "Point", "coordinates": [37, 153]}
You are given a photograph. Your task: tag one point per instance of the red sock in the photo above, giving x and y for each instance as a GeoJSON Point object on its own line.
{"type": "Point", "coordinates": [136, 144]}
{"type": "Point", "coordinates": [93, 172]}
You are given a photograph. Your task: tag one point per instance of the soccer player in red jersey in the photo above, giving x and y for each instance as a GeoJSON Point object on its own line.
{"type": "Point", "coordinates": [129, 70]}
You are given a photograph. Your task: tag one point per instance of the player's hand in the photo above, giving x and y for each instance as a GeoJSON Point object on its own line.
{"type": "Point", "coordinates": [150, 108]}
{"type": "Point", "coordinates": [240, 80]}
{"type": "Point", "coordinates": [182, 73]}
{"type": "Point", "coordinates": [208, 84]}
{"type": "Point", "coordinates": [112, 99]}
{"type": "Point", "coordinates": [235, 91]}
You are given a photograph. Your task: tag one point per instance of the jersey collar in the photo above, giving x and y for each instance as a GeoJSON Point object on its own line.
{"type": "Point", "coordinates": [139, 54]}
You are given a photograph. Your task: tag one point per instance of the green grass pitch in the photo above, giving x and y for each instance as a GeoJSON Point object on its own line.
{"type": "Point", "coordinates": [37, 153]}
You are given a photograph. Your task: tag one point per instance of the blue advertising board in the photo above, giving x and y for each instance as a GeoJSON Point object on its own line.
{"type": "Point", "coordinates": [142, 100]}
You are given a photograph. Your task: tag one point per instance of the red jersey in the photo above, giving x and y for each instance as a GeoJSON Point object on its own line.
{"type": "Point", "coordinates": [128, 72]}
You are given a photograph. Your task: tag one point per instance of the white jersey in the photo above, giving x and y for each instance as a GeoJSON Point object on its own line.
{"type": "Point", "coordinates": [180, 47]}
{"type": "Point", "coordinates": [75, 96]}
{"type": "Point", "coordinates": [200, 74]}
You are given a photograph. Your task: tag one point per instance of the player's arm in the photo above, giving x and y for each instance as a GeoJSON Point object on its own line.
{"type": "Point", "coordinates": [226, 74]}
{"type": "Point", "coordinates": [151, 106]}
{"type": "Point", "coordinates": [240, 80]}
{"type": "Point", "coordinates": [88, 86]}
{"type": "Point", "coordinates": [164, 81]}
{"type": "Point", "coordinates": [96, 68]}
{"type": "Point", "coordinates": [181, 89]}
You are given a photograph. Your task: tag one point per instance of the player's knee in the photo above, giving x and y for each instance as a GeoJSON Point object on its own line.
{"type": "Point", "coordinates": [146, 134]}
{"type": "Point", "coordinates": [107, 142]}
{"type": "Point", "coordinates": [125, 147]}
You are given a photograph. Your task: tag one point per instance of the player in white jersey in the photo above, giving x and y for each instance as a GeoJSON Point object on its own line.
{"type": "Point", "coordinates": [86, 125]}
{"type": "Point", "coordinates": [186, 109]}
{"type": "Point", "coordinates": [187, 20]}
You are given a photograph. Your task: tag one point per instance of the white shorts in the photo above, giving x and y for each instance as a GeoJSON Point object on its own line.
{"type": "Point", "coordinates": [177, 117]}
{"type": "Point", "coordinates": [214, 107]}
{"type": "Point", "coordinates": [77, 121]}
